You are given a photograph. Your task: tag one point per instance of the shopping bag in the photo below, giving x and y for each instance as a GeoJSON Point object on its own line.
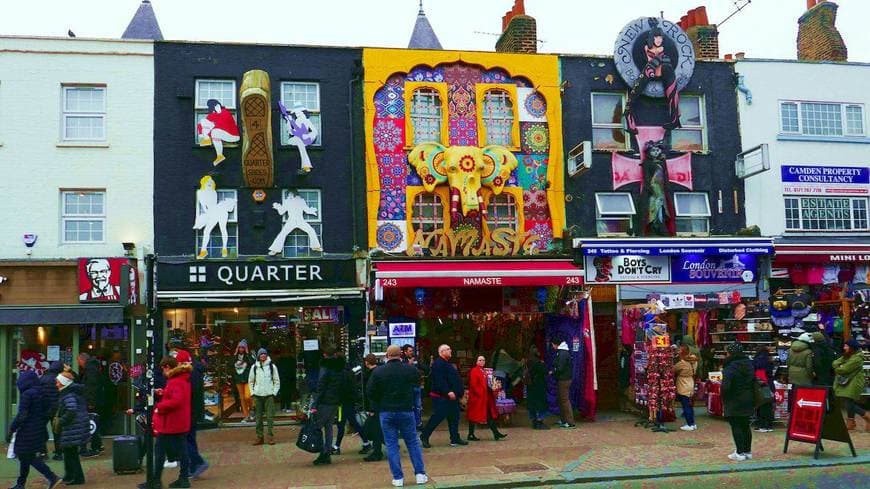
{"type": "Point", "coordinates": [762, 394]}
{"type": "Point", "coordinates": [371, 429]}
{"type": "Point", "coordinates": [10, 452]}
{"type": "Point", "coordinates": [310, 437]}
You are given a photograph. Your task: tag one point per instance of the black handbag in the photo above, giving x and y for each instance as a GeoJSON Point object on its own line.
{"type": "Point", "coordinates": [762, 393]}
{"type": "Point", "coordinates": [371, 429]}
{"type": "Point", "coordinates": [310, 437]}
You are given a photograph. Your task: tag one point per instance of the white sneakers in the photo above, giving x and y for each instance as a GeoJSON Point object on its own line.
{"type": "Point", "coordinates": [421, 479]}
{"type": "Point", "coordinates": [170, 465]}
{"type": "Point", "coordinates": [737, 457]}
{"type": "Point", "coordinates": [748, 456]}
{"type": "Point", "coordinates": [763, 430]}
{"type": "Point", "coordinates": [687, 427]}
{"type": "Point", "coordinates": [398, 482]}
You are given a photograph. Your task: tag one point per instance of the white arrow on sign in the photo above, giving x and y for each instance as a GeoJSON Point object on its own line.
{"type": "Point", "coordinates": [803, 403]}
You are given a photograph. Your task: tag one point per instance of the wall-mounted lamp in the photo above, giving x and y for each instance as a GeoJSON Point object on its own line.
{"type": "Point", "coordinates": [129, 248]}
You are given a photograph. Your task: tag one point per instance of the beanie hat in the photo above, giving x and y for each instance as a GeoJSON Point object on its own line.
{"type": "Point", "coordinates": [806, 338]}
{"type": "Point", "coordinates": [262, 351]}
{"type": "Point", "coordinates": [853, 344]}
{"type": "Point", "coordinates": [182, 356]}
{"type": "Point", "coordinates": [734, 348]}
{"type": "Point", "coordinates": [243, 343]}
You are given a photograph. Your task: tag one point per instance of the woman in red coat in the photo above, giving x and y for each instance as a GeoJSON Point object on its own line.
{"type": "Point", "coordinates": [481, 402]}
{"type": "Point", "coordinates": [172, 422]}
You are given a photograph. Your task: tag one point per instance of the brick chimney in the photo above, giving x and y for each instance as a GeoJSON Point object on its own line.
{"type": "Point", "coordinates": [519, 32]}
{"type": "Point", "coordinates": [818, 38]}
{"type": "Point", "coordinates": [704, 35]}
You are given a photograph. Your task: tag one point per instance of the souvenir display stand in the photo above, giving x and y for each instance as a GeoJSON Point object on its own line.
{"type": "Point", "coordinates": [653, 374]}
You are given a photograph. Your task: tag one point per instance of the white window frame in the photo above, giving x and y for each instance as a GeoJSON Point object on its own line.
{"type": "Point", "coordinates": [199, 110]}
{"type": "Point", "coordinates": [312, 111]}
{"type": "Point", "coordinates": [692, 216]}
{"type": "Point", "coordinates": [507, 201]}
{"type": "Point", "coordinates": [702, 112]}
{"type": "Point", "coordinates": [800, 217]}
{"type": "Point", "coordinates": [419, 222]}
{"type": "Point", "coordinates": [316, 222]}
{"type": "Point", "coordinates": [843, 118]}
{"type": "Point", "coordinates": [215, 243]}
{"type": "Point", "coordinates": [66, 216]}
{"type": "Point", "coordinates": [602, 215]}
{"type": "Point", "coordinates": [610, 125]}
{"type": "Point", "coordinates": [428, 119]}
{"type": "Point", "coordinates": [70, 114]}
{"type": "Point", "coordinates": [509, 119]}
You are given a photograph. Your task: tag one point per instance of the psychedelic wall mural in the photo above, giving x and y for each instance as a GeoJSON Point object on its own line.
{"type": "Point", "coordinates": [464, 152]}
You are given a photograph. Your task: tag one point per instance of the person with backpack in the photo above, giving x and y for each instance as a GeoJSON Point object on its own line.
{"type": "Point", "coordinates": [375, 446]}
{"type": "Point", "coordinates": [265, 384]}
{"type": "Point", "coordinates": [823, 360]}
{"type": "Point", "coordinates": [347, 413]}
{"type": "Point", "coordinates": [29, 430]}
{"type": "Point", "coordinates": [330, 393]}
{"type": "Point", "coordinates": [90, 376]}
{"type": "Point", "coordinates": [74, 426]}
{"type": "Point", "coordinates": [764, 373]}
{"type": "Point", "coordinates": [738, 399]}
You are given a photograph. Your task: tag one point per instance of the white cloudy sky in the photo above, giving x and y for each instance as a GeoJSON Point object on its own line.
{"type": "Point", "coordinates": [764, 29]}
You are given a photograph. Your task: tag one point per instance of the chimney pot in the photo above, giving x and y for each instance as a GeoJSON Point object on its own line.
{"type": "Point", "coordinates": [729, 57]}
{"type": "Point", "coordinates": [684, 22]}
{"type": "Point", "coordinates": [811, 4]}
{"type": "Point", "coordinates": [740, 55]}
{"type": "Point", "coordinates": [519, 7]}
{"type": "Point", "coordinates": [701, 16]}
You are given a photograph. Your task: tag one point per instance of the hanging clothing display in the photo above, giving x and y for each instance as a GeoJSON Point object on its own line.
{"type": "Point", "coordinates": [660, 382]}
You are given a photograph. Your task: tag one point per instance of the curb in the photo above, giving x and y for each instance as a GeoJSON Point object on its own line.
{"type": "Point", "coordinates": [566, 477]}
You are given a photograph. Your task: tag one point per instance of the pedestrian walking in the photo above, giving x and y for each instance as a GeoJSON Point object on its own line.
{"type": "Point", "coordinates": [409, 357]}
{"type": "Point", "coordinates": [198, 465]}
{"type": "Point", "coordinates": [800, 361]}
{"type": "Point", "coordinates": [30, 432]}
{"type": "Point", "coordinates": [171, 421]}
{"type": "Point", "coordinates": [391, 388]}
{"type": "Point", "coordinates": [90, 377]}
{"type": "Point", "coordinates": [685, 371]}
{"type": "Point", "coordinates": [481, 402]}
{"type": "Point", "coordinates": [535, 378]}
{"type": "Point", "coordinates": [764, 373]}
{"type": "Point", "coordinates": [377, 437]}
{"type": "Point", "coordinates": [849, 383]}
{"type": "Point", "coordinates": [242, 362]}
{"type": "Point", "coordinates": [446, 391]}
{"type": "Point", "coordinates": [738, 399]}
{"type": "Point", "coordinates": [563, 372]}
{"type": "Point", "coordinates": [265, 384]}
{"type": "Point", "coordinates": [352, 396]}
{"type": "Point", "coordinates": [823, 360]}
{"type": "Point", "coordinates": [327, 400]}
{"type": "Point", "coordinates": [73, 423]}
{"type": "Point", "coordinates": [50, 396]}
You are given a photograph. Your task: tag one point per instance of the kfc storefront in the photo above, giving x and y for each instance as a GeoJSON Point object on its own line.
{"type": "Point", "coordinates": [54, 310]}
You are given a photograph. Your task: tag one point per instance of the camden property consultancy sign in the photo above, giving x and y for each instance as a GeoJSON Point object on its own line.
{"type": "Point", "coordinates": [825, 180]}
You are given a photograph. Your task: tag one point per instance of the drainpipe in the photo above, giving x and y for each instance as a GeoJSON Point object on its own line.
{"type": "Point", "coordinates": [354, 79]}
{"type": "Point", "coordinates": [741, 85]}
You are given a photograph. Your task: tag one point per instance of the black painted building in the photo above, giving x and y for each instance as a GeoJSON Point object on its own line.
{"type": "Point", "coordinates": [255, 148]}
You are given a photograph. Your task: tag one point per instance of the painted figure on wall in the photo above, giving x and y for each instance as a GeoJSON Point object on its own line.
{"type": "Point", "coordinates": [295, 208]}
{"type": "Point", "coordinates": [658, 67]}
{"type": "Point", "coordinates": [656, 214]}
{"type": "Point", "coordinates": [302, 132]}
{"type": "Point", "coordinates": [210, 213]}
{"type": "Point", "coordinates": [216, 128]}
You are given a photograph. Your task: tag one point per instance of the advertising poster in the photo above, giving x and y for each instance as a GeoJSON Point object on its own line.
{"type": "Point", "coordinates": [627, 269]}
{"type": "Point", "coordinates": [716, 269]}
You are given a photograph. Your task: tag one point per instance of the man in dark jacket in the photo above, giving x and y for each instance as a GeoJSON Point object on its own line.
{"type": "Point", "coordinates": [29, 429]}
{"type": "Point", "coordinates": [738, 399]}
{"type": "Point", "coordinates": [331, 391]}
{"type": "Point", "coordinates": [447, 390]}
{"type": "Point", "coordinates": [563, 372]}
{"type": "Point", "coordinates": [391, 388]}
{"type": "Point", "coordinates": [89, 377]}
{"type": "Point", "coordinates": [198, 465]}
{"type": "Point", "coordinates": [370, 363]}
{"type": "Point", "coordinates": [823, 360]}
{"type": "Point", "coordinates": [50, 396]}
{"type": "Point", "coordinates": [74, 426]}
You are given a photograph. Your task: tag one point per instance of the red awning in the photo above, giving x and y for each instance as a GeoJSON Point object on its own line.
{"type": "Point", "coordinates": [482, 273]}
{"type": "Point", "coordinates": [787, 254]}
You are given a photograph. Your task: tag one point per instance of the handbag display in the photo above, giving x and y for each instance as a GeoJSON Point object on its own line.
{"type": "Point", "coordinates": [310, 437]}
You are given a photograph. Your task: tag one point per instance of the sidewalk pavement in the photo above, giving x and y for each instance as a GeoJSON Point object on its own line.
{"type": "Point", "coordinates": [609, 449]}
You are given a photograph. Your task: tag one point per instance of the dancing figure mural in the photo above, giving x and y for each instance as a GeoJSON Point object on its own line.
{"type": "Point", "coordinates": [210, 213]}
{"type": "Point", "coordinates": [295, 209]}
{"type": "Point", "coordinates": [302, 132]}
{"type": "Point", "coordinates": [217, 127]}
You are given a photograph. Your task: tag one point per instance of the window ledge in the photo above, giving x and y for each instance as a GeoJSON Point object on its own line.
{"type": "Point", "coordinates": [823, 139]}
{"type": "Point", "coordinates": [82, 144]}
{"type": "Point", "coordinates": [827, 234]}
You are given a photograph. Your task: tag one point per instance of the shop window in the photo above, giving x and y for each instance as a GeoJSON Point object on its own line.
{"type": "Point", "coordinates": [299, 242]}
{"type": "Point", "coordinates": [215, 242]}
{"type": "Point", "coordinates": [83, 216]}
{"type": "Point", "coordinates": [223, 91]}
{"type": "Point", "coordinates": [498, 115]}
{"type": "Point", "coordinates": [84, 113]}
{"type": "Point", "coordinates": [427, 213]}
{"type": "Point", "coordinates": [607, 112]}
{"type": "Point", "coordinates": [502, 212]}
{"type": "Point", "coordinates": [426, 115]}
{"type": "Point", "coordinates": [306, 95]}
{"type": "Point", "coordinates": [821, 118]}
{"type": "Point", "coordinates": [826, 214]}
{"type": "Point", "coordinates": [614, 213]}
{"type": "Point", "coordinates": [692, 213]}
{"type": "Point", "coordinates": [692, 135]}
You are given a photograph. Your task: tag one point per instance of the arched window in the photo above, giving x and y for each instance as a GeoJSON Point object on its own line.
{"type": "Point", "coordinates": [502, 212]}
{"type": "Point", "coordinates": [498, 117]}
{"type": "Point", "coordinates": [426, 114]}
{"type": "Point", "coordinates": [427, 213]}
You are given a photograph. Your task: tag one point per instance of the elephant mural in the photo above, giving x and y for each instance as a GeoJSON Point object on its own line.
{"type": "Point", "coordinates": [467, 169]}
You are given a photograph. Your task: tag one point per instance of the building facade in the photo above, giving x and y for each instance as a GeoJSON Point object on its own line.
{"type": "Point", "coordinates": [256, 208]}
{"type": "Point", "coordinates": [78, 175]}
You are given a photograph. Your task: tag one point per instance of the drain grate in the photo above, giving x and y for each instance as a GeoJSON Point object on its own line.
{"type": "Point", "coordinates": [509, 469]}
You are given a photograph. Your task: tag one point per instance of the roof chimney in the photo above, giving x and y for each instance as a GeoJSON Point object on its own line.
{"type": "Point", "coordinates": [818, 38]}
{"type": "Point", "coordinates": [519, 31]}
{"type": "Point", "coordinates": [704, 35]}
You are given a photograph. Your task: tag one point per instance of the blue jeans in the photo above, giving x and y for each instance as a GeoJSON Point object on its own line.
{"type": "Point", "coordinates": [193, 449]}
{"type": "Point", "coordinates": [418, 406]}
{"type": "Point", "coordinates": [688, 409]}
{"type": "Point", "coordinates": [393, 424]}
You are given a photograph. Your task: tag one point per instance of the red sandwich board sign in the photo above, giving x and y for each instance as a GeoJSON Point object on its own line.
{"type": "Point", "coordinates": [809, 421]}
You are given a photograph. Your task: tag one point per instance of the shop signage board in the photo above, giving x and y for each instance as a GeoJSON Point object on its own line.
{"type": "Point", "coordinates": [809, 422]}
{"type": "Point", "coordinates": [403, 330]}
{"type": "Point", "coordinates": [102, 280]}
{"type": "Point", "coordinates": [323, 314]}
{"type": "Point", "coordinates": [676, 247]}
{"type": "Point", "coordinates": [678, 301]}
{"type": "Point", "coordinates": [256, 275]}
{"type": "Point", "coordinates": [734, 268]}
{"type": "Point", "coordinates": [825, 180]}
{"type": "Point", "coordinates": [627, 269]}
